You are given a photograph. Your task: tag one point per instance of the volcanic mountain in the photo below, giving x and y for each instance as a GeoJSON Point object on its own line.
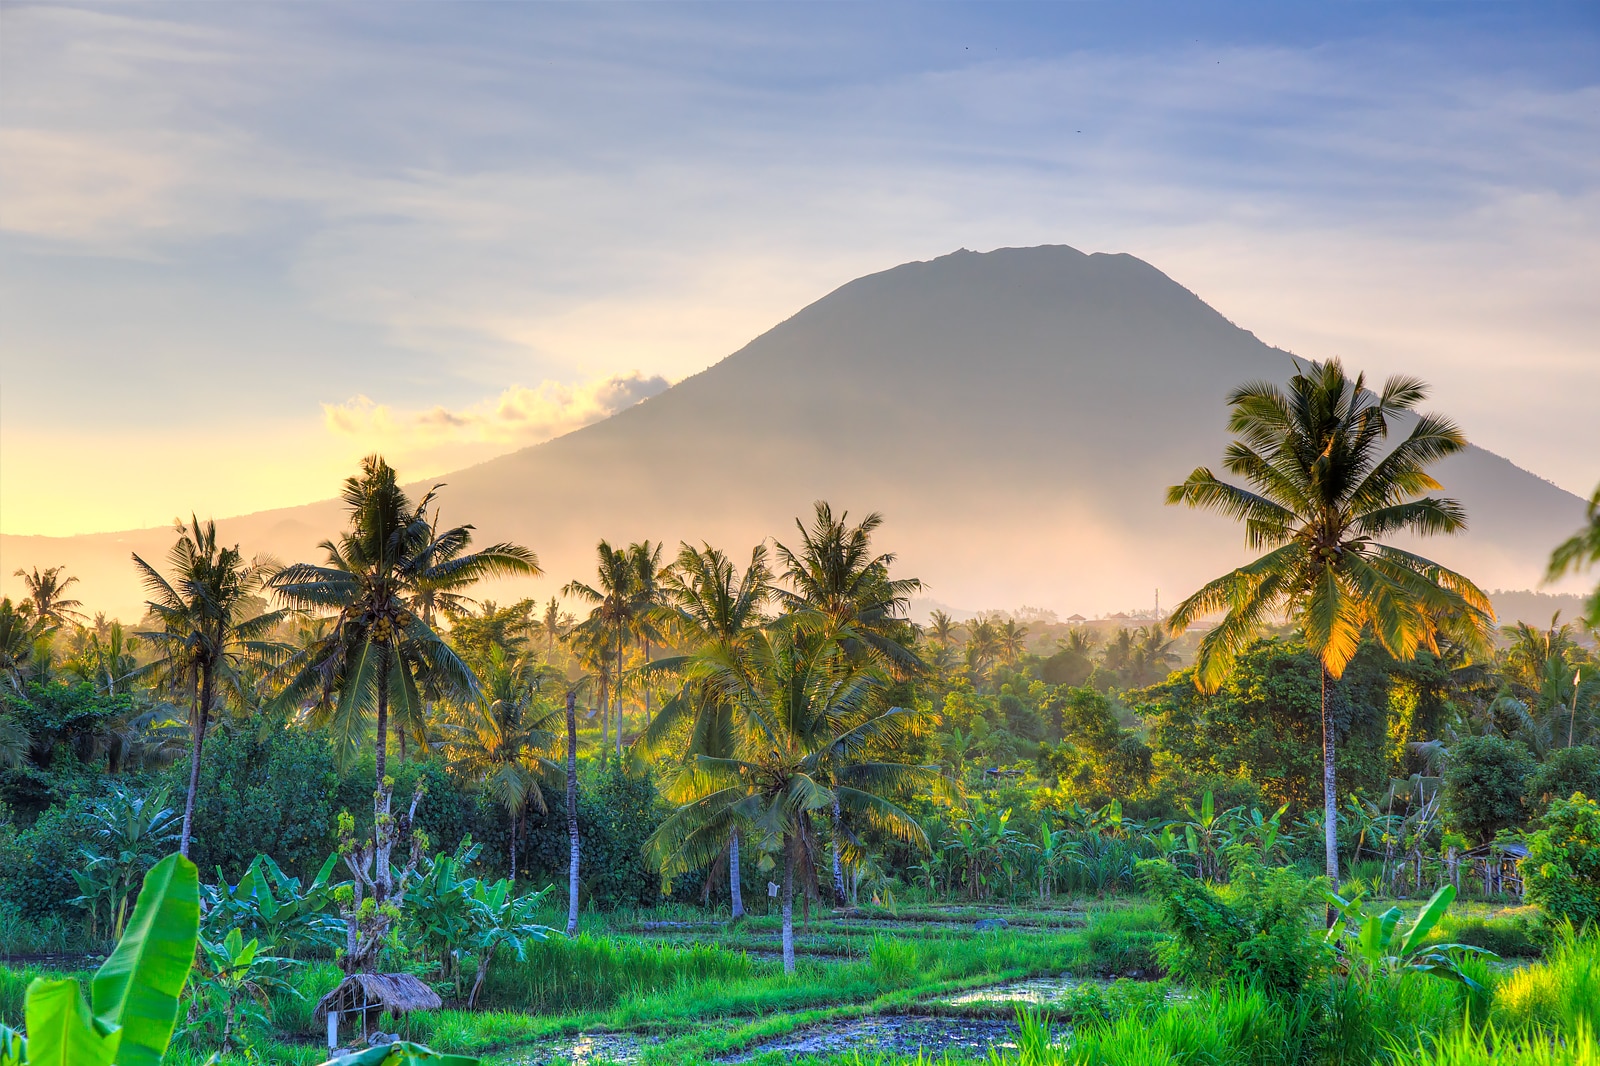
{"type": "Point", "coordinates": [1015, 415]}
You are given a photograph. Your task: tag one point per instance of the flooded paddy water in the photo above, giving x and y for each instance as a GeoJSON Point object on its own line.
{"type": "Point", "coordinates": [902, 1034]}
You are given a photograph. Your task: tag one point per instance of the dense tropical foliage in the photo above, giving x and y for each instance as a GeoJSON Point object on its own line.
{"type": "Point", "coordinates": [776, 740]}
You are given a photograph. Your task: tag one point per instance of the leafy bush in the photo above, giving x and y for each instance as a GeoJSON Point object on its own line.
{"type": "Point", "coordinates": [1562, 871]}
{"type": "Point", "coordinates": [1254, 928]}
{"type": "Point", "coordinates": [1565, 771]}
{"type": "Point", "coordinates": [1483, 785]}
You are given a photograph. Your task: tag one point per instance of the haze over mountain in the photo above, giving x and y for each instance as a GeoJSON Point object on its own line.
{"type": "Point", "coordinates": [1016, 415]}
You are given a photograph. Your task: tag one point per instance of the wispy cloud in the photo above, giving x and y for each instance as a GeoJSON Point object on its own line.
{"type": "Point", "coordinates": [518, 417]}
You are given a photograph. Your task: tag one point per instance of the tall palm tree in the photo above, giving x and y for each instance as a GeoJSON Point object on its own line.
{"type": "Point", "coordinates": [715, 613]}
{"type": "Point", "coordinates": [836, 574]}
{"type": "Point", "coordinates": [649, 599]}
{"type": "Point", "coordinates": [47, 595]}
{"type": "Point", "coordinates": [811, 718]}
{"type": "Point", "coordinates": [1323, 490]}
{"type": "Point", "coordinates": [19, 632]}
{"type": "Point", "coordinates": [503, 743]}
{"type": "Point", "coordinates": [942, 628]}
{"type": "Point", "coordinates": [617, 606]}
{"type": "Point", "coordinates": [1013, 640]}
{"type": "Point", "coordinates": [1577, 553]}
{"type": "Point", "coordinates": [983, 645]}
{"type": "Point", "coordinates": [206, 632]}
{"type": "Point", "coordinates": [379, 651]}
{"type": "Point", "coordinates": [554, 623]}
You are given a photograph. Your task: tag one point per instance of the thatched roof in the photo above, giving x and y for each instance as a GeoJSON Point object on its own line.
{"type": "Point", "coordinates": [397, 993]}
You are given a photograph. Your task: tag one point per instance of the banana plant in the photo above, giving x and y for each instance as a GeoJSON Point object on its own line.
{"type": "Point", "coordinates": [233, 983]}
{"type": "Point", "coordinates": [1387, 944]}
{"type": "Point", "coordinates": [133, 1001]}
{"type": "Point", "coordinates": [270, 905]}
{"type": "Point", "coordinates": [134, 995]}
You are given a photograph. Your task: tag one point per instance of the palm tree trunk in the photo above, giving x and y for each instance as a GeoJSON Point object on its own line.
{"type": "Point", "coordinates": [380, 803]}
{"type": "Point", "coordinates": [516, 825]}
{"type": "Point", "coordinates": [735, 889]}
{"type": "Point", "coordinates": [838, 868]}
{"type": "Point", "coordinates": [619, 696]}
{"type": "Point", "coordinates": [1330, 799]}
{"type": "Point", "coordinates": [572, 812]}
{"type": "Point", "coordinates": [788, 905]}
{"type": "Point", "coordinates": [605, 718]}
{"type": "Point", "coordinates": [202, 713]}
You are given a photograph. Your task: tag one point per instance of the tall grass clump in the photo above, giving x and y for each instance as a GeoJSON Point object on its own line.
{"type": "Point", "coordinates": [895, 963]}
{"type": "Point", "coordinates": [588, 974]}
{"type": "Point", "coordinates": [1489, 1047]}
{"type": "Point", "coordinates": [14, 981]}
{"type": "Point", "coordinates": [1561, 994]}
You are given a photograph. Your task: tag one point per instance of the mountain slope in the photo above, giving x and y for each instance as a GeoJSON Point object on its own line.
{"type": "Point", "coordinates": [1015, 414]}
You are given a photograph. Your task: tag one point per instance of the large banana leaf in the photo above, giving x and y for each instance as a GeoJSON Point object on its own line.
{"type": "Point", "coordinates": [1431, 913]}
{"type": "Point", "coordinates": [401, 1053]}
{"type": "Point", "coordinates": [61, 1029]}
{"type": "Point", "coordinates": [137, 988]}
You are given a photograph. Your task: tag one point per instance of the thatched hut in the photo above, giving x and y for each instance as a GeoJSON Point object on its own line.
{"type": "Point", "coordinates": [368, 995]}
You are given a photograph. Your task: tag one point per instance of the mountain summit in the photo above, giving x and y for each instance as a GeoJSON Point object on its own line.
{"type": "Point", "coordinates": [1016, 415]}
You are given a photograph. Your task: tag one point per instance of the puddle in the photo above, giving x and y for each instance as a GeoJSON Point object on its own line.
{"type": "Point", "coordinates": [899, 1034]}
{"type": "Point", "coordinates": [582, 1050]}
{"type": "Point", "coordinates": [1036, 990]}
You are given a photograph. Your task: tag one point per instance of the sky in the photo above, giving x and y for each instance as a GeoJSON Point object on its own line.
{"type": "Point", "coordinates": [242, 245]}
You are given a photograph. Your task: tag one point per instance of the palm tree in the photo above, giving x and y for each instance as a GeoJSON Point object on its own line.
{"type": "Point", "coordinates": [648, 602]}
{"type": "Point", "coordinates": [379, 648]}
{"type": "Point", "coordinates": [205, 635]}
{"type": "Point", "coordinates": [554, 623]}
{"type": "Point", "coordinates": [1323, 492]}
{"type": "Point", "coordinates": [1012, 639]}
{"type": "Point", "coordinates": [942, 628]}
{"type": "Point", "coordinates": [19, 632]}
{"type": "Point", "coordinates": [503, 742]}
{"type": "Point", "coordinates": [836, 574]}
{"type": "Point", "coordinates": [47, 595]}
{"type": "Point", "coordinates": [810, 717]}
{"type": "Point", "coordinates": [715, 613]}
{"type": "Point", "coordinates": [616, 610]}
{"type": "Point", "coordinates": [1579, 552]}
{"type": "Point", "coordinates": [983, 645]}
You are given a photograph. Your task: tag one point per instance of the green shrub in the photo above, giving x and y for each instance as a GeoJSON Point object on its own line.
{"type": "Point", "coordinates": [1484, 783]}
{"type": "Point", "coordinates": [1564, 772]}
{"type": "Point", "coordinates": [1562, 870]}
{"type": "Point", "coordinates": [1254, 929]}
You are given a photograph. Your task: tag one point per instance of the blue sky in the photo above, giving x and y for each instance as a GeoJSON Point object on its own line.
{"type": "Point", "coordinates": [269, 238]}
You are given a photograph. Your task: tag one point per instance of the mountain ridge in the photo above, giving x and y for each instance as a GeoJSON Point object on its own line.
{"type": "Point", "coordinates": [1016, 414]}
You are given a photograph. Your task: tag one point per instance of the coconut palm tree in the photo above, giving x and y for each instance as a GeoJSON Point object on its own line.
{"type": "Point", "coordinates": [617, 606]}
{"type": "Point", "coordinates": [20, 630]}
{"type": "Point", "coordinates": [1012, 639]}
{"type": "Point", "coordinates": [836, 574]}
{"type": "Point", "coordinates": [649, 599]}
{"type": "Point", "coordinates": [983, 645]}
{"type": "Point", "coordinates": [942, 628]}
{"type": "Point", "coordinates": [47, 595]}
{"type": "Point", "coordinates": [811, 718]}
{"type": "Point", "coordinates": [1323, 491]}
{"type": "Point", "coordinates": [554, 623]}
{"type": "Point", "coordinates": [504, 742]}
{"type": "Point", "coordinates": [207, 632]}
{"type": "Point", "coordinates": [1577, 553]}
{"type": "Point", "coordinates": [715, 613]}
{"type": "Point", "coordinates": [379, 651]}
